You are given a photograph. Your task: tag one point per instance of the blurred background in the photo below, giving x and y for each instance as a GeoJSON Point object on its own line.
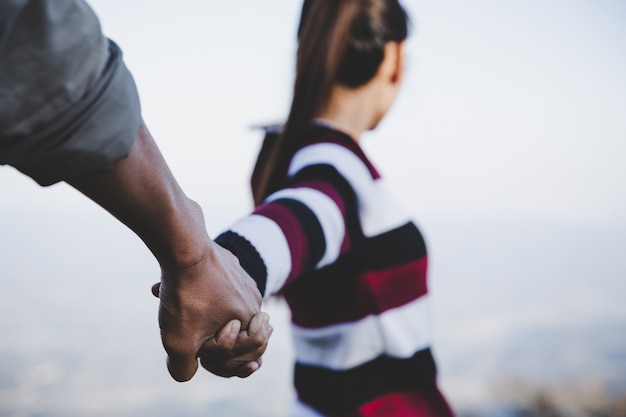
{"type": "Point", "coordinates": [507, 144]}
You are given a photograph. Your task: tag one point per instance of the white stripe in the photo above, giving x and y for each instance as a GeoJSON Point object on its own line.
{"type": "Point", "coordinates": [268, 239]}
{"type": "Point", "coordinates": [378, 211]}
{"type": "Point", "coordinates": [407, 329]}
{"type": "Point", "coordinates": [398, 333]}
{"type": "Point", "coordinates": [350, 166]}
{"type": "Point", "coordinates": [381, 213]}
{"type": "Point", "coordinates": [328, 214]}
{"type": "Point", "coordinates": [299, 409]}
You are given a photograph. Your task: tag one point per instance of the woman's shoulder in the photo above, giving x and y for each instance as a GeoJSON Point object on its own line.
{"type": "Point", "coordinates": [327, 146]}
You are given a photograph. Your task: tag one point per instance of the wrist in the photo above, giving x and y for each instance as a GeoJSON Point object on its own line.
{"type": "Point", "coordinates": [186, 242]}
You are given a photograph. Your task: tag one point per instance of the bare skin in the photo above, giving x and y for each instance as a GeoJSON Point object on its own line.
{"type": "Point", "coordinates": [203, 288]}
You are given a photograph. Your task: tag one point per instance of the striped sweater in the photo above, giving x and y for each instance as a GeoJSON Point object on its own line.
{"type": "Point", "coordinates": [352, 268]}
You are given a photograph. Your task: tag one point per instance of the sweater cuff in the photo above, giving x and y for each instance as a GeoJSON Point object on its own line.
{"type": "Point", "coordinates": [249, 258]}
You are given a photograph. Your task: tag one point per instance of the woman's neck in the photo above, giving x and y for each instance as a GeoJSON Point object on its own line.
{"type": "Point", "coordinates": [349, 110]}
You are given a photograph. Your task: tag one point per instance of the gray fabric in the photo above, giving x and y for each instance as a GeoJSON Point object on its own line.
{"type": "Point", "coordinates": [9, 9]}
{"type": "Point", "coordinates": [68, 104]}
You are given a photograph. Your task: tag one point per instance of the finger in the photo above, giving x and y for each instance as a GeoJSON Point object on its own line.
{"type": "Point", "coordinates": [242, 345]}
{"type": "Point", "coordinates": [224, 343]}
{"type": "Point", "coordinates": [235, 352]}
{"type": "Point", "coordinates": [182, 367]}
{"type": "Point", "coordinates": [258, 325]}
{"type": "Point", "coordinates": [244, 348]}
{"type": "Point", "coordinates": [156, 289]}
{"type": "Point", "coordinates": [259, 332]}
{"type": "Point", "coordinates": [230, 369]}
{"type": "Point", "coordinates": [227, 336]}
{"type": "Point", "coordinates": [241, 360]}
{"type": "Point", "coordinates": [225, 369]}
{"type": "Point", "coordinates": [248, 369]}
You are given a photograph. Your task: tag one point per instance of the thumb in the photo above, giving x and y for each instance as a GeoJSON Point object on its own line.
{"type": "Point", "coordinates": [224, 341]}
{"type": "Point", "coordinates": [227, 336]}
{"type": "Point", "coordinates": [155, 289]}
{"type": "Point", "coordinates": [182, 368]}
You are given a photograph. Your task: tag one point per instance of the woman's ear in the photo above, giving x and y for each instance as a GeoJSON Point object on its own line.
{"type": "Point", "coordinates": [398, 73]}
{"type": "Point", "coordinates": [392, 67]}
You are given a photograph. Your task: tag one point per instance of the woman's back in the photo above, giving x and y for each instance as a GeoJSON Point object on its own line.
{"type": "Point", "coordinates": [327, 235]}
{"type": "Point", "coordinates": [352, 268]}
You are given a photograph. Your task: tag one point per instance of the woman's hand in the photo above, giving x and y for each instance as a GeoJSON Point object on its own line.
{"type": "Point", "coordinates": [206, 311]}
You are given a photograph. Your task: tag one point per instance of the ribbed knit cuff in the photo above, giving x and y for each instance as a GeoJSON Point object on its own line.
{"type": "Point", "coordinates": [248, 256]}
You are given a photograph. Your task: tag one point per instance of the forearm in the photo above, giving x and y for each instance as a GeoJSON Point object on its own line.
{"type": "Point", "coordinates": [202, 286]}
{"type": "Point", "coordinates": [142, 193]}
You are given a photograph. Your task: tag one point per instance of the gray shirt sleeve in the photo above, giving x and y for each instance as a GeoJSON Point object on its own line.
{"type": "Point", "coordinates": [68, 104]}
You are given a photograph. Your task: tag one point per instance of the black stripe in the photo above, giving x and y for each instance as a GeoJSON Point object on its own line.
{"type": "Point", "coordinates": [399, 246]}
{"type": "Point", "coordinates": [395, 247]}
{"type": "Point", "coordinates": [314, 234]}
{"type": "Point", "coordinates": [336, 392]}
{"type": "Point", "coordinates": [248, 256]}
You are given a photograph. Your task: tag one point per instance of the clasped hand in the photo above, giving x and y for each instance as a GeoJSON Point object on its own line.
{"type": "Point", "coordinates": [210, 311]}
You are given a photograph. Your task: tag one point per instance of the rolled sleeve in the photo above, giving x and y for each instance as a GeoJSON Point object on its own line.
{"type": "Point", "coordinates": [96, 114]}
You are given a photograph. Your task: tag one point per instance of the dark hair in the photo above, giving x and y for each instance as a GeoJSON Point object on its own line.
{"type": "Point", "coordinates": [340, 42]}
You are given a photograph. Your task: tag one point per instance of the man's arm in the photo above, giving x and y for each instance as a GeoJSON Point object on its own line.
{"type": "Point", "coordinates": [202, 286]}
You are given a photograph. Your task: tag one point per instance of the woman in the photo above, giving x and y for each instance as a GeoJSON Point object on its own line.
{"type": "Point", "coordinates": [326, 235]}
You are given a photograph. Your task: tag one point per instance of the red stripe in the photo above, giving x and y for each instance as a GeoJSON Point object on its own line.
{"type": "Point", "coordinates": [335, 298]}
{"type": "Point", "coordinates": [397, 286]}
{"type": "Point", "coordinates": [292, 229]}
{"type": "Point", "coordinates": [413, 403]}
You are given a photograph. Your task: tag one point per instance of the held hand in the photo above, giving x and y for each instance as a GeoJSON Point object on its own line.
{"type": "Point", "coordinates": [199, 300]}
{"type": "Point", "coordinates": [236, 352]}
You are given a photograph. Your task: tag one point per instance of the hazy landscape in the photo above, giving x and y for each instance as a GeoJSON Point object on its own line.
{"type": "Point", "coordinates": [521, 309]}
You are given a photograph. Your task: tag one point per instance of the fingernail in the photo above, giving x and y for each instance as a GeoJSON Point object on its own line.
{"type": "Point", "coordinates": [266, 319]}
{"type": "Point", "coordinates": [233, 330]}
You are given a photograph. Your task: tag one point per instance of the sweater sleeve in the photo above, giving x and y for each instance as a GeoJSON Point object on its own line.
{"type": "Point", "coordinates": [305, 226]}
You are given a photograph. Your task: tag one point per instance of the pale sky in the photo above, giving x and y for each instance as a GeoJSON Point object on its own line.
{"type": "Point", "coordinates": [509, 108]}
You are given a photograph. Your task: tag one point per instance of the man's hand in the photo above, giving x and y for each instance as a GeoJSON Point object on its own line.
{"type": "Point", "coordinates": [199, 300]}
{"type": "Point", "coordinates": [233, 351]}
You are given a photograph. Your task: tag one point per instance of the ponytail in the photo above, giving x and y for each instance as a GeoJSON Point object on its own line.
{"type": "Point", "coordinates": [340, 41]}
